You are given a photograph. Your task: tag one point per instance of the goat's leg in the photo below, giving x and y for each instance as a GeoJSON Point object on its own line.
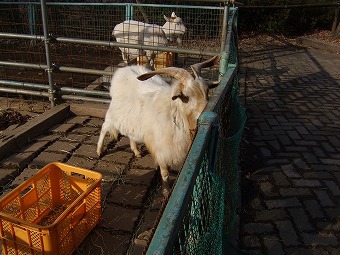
{"type": "Point", "coordinates": [107, 127]}
{"type": "Point", "coordinates": [134, 148]}
{"type": "Point", "coordinates": [151, 60]}
{"type": "Point", "coordinates": [101, 140]}
{"type": "Point", "coordinates": [165, 180]}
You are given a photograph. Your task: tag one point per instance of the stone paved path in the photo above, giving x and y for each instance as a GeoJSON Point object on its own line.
{"type": "Point", "coordinates": [291, 152]}
{"type": "Point", "coordinates": [131, 197]}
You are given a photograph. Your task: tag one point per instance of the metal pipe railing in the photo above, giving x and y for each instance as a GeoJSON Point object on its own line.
{"type": "Point", "coordinates": [61, 89]}
{"type": "Point", "coordinates": [56, 68]}
{"type": "Point", "coordinates": [49, 67]}
{"type": "Point", "coordinates": [47, 52]}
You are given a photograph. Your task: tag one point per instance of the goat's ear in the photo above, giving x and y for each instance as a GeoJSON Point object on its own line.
{"type": "Point", "coordinates": [166, 18]}
{"type": "Point", "coordinates": [144, 77]}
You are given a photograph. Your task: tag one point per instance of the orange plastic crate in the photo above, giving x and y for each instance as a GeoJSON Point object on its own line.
{"type": "Point", "coordinates": [51, 212]}
{"type": "Point", "coordinates": [162, 60]}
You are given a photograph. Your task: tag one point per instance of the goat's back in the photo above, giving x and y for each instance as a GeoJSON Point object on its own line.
{"type": "Point", "coordinates": [132, 31]}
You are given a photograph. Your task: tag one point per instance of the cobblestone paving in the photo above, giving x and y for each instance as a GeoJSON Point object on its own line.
{"type": "Point", "coordinates": [131, 197]}
{"type": "Point", "coordinates": [291, 152]}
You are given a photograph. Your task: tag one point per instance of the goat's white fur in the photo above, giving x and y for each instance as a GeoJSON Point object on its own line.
{"type": "Point", "coordinates": [152, 112]}
{"type": "Point", "coordinates": [136, 32]}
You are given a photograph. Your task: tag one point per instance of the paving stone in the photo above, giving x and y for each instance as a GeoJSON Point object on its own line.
{"type": "Point", "coordinates": [328, 226]}
{"type": "Point", "coordinates": [270, 215]}
{"type": "Point", "coordinates": [95, 122]}
{"type": "Point", "coordinates": [318, 152]}
{"type": "Point", "coordinates": [81, 162]}
{"type": "Point", "coordinates": [295, 192]}
{"type": "Point", "coordinates": [144, 162]}
{"type": "Point", "coordinates": [306, 183]}
{"type": "Point", "coordinates": [300, 219]}
{"type": "Point", "coordinates": [140, 176]}
{"type": "Point", "coordinates": [317, 175]}
{"type": "Point", "coordinates": [331, 161]}
{"type": "Point", "coordinates": [7, 175]}
{"type": "Point", "coordinates": [110, 172]}
{"type": "Point", "coordinates": [86, 150]}
{"type": "Point", "coordinates": [307, 251]}
{"type": "Point", "coordinates": [323, 239]}
{"type": "Point", "coordinates": [35, 146]}
{"type": "Point", "coordinates": [267, 189]}
{"type": "Point", "coordinates": [256, 204]}
{"type": "Point", "coordinates": [285, 140]}
{"type": "Point", "coordinates": [287, 233]}
{"type": "Point", "coordinates": [102, 241]}
{"type": "Point", "coordinates": [280, 179]}
{"type": "Point", "coordinates": [282, 203]}
{"type": "Point", "coordinates": [251, 241]}
{"type": "Point", "coordinates": [296, 148]}
{"type": "Point", "coordinates": [290, 171]}
{"type": "Point", "coordinates": [332, 213]}
{"type": "Point", "coordinates": [314, 209]}
{"type": "Point", "coordinates": [129, 195]}
{"type": "Point", "coordinates": [333, 187]}
{"type": "Point", "coordinates": [71, 137]}
{"type": "Point", "coordinates": [273, 246]}
{"type": "Point", "coordinates": [45, 158]}
{"type": "Point", "coordinates": [119, 218]}
{"type": "Point", "coordinates": [294, 135]}
{"type": "Point", "coordinates": [62, 128]}
{"type": "Point", "coordinates": [86, 130]}
{"type": "Point", "coordinates": [78, 119]}
{"type": "Point", "coordinates": [323, 198]}
{"type": "Point", "coordinates": [118, 157]}
{"type": "Point", "coordinates": [18, 160]}
{"type": "Point", "coordinates": [265, 152]}
{"type": "Point", "coordinates": [93, 139]}
{"type": "Point", "coordinates": [252, 228]}
{"type": "Point", "coordinates": [148, 221]}
{"type": "Point", "coordinates": [62, 146]}
{"type": "Point", "coordinates": [301, 164]}
{"type": "Point", "coordinates": [327, 147]}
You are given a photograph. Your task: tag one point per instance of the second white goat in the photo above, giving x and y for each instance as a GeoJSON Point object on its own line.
{"type": "Point", "coordinates": [136, 32]}
{"type": "Point", "coordinates": [152, 112]}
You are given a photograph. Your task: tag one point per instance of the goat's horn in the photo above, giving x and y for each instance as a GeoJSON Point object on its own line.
{"type": "Point", "coordinates": [196, 68]}
{"type": "Point", "coordinates": [178, 73]}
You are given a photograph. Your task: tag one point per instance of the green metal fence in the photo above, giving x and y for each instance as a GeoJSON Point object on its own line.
{"type": "Point", "coordinates": [201, 213]}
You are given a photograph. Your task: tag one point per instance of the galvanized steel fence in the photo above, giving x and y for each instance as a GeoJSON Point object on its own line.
{"type": "Point", "coordinates": [70, 48]}
{"type": "Point", "coordinates": [66, 50]}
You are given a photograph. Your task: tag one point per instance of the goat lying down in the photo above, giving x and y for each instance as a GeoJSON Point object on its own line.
{"type": "Point", "coordinates": [136, 32]}
{"type": "Point", "coordinates": [152, 112]}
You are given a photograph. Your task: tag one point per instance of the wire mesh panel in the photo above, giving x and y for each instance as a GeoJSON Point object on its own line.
{"type": "Point", "coordinates": [202, 226]}
{"type": "Point", "coordinates": [81, 41]}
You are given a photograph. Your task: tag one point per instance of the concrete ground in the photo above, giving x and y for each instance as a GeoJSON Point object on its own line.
{"type": "Point", "coordinates": [291, 150]}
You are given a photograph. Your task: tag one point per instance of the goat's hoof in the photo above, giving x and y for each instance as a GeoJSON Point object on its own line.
{"type": "Point", "coordinates": [99, 152]}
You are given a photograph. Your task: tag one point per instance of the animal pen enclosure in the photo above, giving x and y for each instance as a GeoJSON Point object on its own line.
{"type": "Point", "coordinates": [66, 51]}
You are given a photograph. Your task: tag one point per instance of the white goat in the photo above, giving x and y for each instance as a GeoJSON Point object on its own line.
{"type": "Point", "coordinates": [162, 117]}
{"type": "Point", "coordinates": [136, 32]}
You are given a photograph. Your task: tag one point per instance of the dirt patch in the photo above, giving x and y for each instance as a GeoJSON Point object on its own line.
{"type": "Point", "coordinates": [10, 117]}
{"type": "Point", "coordinates": [325, 36]}
{"type": "Point", "coordinates": [255, 41]}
